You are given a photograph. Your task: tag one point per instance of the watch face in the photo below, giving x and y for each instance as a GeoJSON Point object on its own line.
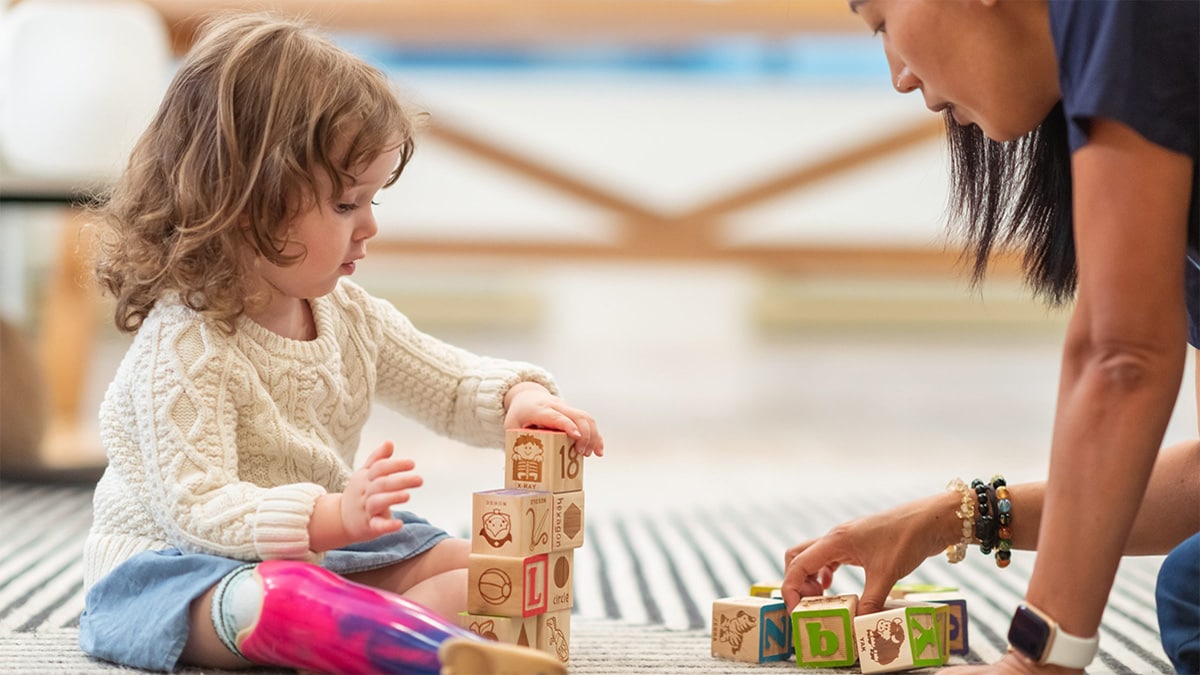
{"type": "Point", "coordinates": [1028, 633]}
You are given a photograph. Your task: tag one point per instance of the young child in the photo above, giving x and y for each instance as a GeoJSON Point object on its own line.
{"type": "Point", "coordinates": [230, 527]}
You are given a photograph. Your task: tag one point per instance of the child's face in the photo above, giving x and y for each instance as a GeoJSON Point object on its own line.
{"type": "Point", "coordinates": [332, 233]}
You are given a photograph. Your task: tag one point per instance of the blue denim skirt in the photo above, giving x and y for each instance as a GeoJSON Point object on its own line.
{"type": "Point", "coordinates": [137, 615]}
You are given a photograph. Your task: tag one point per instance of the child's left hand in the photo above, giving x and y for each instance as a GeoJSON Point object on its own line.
{"type": "Point", "coordinates": [529, 404]}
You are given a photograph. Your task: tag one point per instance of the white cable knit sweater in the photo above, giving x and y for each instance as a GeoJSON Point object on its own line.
{"type": "Point", "coordinates": [221, 444]}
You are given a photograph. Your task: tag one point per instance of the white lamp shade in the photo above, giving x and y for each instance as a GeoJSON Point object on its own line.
{"type": "Point", "coordinates": [79, 81]}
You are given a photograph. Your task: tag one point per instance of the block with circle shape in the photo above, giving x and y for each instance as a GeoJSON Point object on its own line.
{"type": "Point", "coordinates": [958, 640]}
{"type": "Point", "coordinates": [567, 510]}
{"type": "Point", "coordinates": [514, 523]}
{"type": "Point", "coordinates": [823, 631]}
{"type": "Point", "coordinates": [554, 633]}
{"type": "Point", "coordinates": [750, 629]}
{"type": "Point", "coordinates": [503, 586]}
{"type": "Point", "coordinates": [513, 630]}
{"type": "Point", "coordinates": [561, 580]}
{"type": "Point", "coordinates": [904, 635]}
{"type": "Point", "coordinates": [541, 459]}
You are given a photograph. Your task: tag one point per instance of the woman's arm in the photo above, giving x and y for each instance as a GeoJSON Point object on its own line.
{"type": "Point", "coordinates": [891, 544]}
{"type": "Point", "coordinates": [1170, 510]}
{"type": "Point", "coordinates": [1121, 368]}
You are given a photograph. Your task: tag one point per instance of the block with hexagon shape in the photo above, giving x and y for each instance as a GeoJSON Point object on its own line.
{"type": "Point", "coordinates": [541, 459]}
{"type": "Point", "coordinates": [904, 635]}
{"type": "Point", "coordinates": [510, 522]}
{"type": "Point", "coordinates": [823, 631]}
{"type": "Point", "coordinates": [750, 629]}
{"type": "Point", "coordinates": [506, 586]}
{"type": "Point", "coordinates": [567, 513]}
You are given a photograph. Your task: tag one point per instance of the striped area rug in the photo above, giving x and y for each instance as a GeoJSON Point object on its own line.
{"type": "Point", "coordinates": [644, 584]}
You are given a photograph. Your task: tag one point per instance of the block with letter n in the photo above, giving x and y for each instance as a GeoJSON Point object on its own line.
{"type": "Point", "coordinates": [749, 629]}
{"type": "Point", "coordinates": [823, 631]}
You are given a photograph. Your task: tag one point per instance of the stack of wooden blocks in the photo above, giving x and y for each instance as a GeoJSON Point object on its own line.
{"type": "Point", "coordinates": [522, 569]}
{"type": "Point", "coordinates": [913, 631]}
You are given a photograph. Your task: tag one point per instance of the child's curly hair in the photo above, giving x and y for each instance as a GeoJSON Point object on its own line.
{"type": "Point", "coordinates": [257, 109]}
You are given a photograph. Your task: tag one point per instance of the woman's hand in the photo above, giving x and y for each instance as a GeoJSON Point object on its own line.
{"type": "Point", "coordinates": [530, 405]}
{"type": "Point", "coordinates": [887, 545]}
{"type": "Point", "coordinates": [1011, 664]}
{"type": "Point", "coordinates": [382, 482]}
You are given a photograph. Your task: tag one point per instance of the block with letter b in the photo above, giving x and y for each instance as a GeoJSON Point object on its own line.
{"type": "Point", "coordinates": [823, 631]}
{"type": "Point", "coordinates": [502, 586]}
{"type": "Point", "coordinates": [540, 459]}
{"type": "Point", "coordinates": [905, 635]}
{"type": "Point", "coordinates": [754, 630]}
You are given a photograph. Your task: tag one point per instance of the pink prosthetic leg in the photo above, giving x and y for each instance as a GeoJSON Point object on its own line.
{"type": "Point", "coordinates": [313, 619]}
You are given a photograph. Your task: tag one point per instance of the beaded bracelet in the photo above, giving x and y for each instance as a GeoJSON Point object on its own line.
{"type": "Point", "coordinates": [1004, 518]}
{"type": "Point", "coordinates": [985, 521]}
{"type": "Point", "coordinates": [956, 553]}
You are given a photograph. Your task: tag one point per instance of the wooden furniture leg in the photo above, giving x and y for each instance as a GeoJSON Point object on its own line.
{"type": "Point", "coordinates": [67, 334]}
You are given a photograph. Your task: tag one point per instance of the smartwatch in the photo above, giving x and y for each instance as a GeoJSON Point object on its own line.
{"type": "Point", "coordinates": [1038, 637]}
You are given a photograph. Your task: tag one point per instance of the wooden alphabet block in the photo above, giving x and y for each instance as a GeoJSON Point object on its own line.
{"type": "Point", "coordinates": [539, 459]}
{"type": "Point", "coordinates": [749, 629]}
{"type": "Point", "coordinates": [561, 580]}
{"type": "Point", "coordinates": [567, 510]}
{"type": "Point", "coordinates": [900, 591]}
{"type": "Point", "coordinates": [823, 631]}
{"type": "Point", "coordinates": [766, 589]}
{"type": "Point", "coordinates": [514, 523]}
{"type": "Point", "coordinates": [554, 633]}
{"type": "Point", "coordinates": [958, 637]}
{"type": "Point", "coordinates": [513, 630]}
{"type": "Point", "coordinates": [905, 635]}
{"type": "Point", "coordinates": [501, 586]}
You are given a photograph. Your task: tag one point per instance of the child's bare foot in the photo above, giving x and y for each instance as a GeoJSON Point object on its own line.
{"type": "Point", "coordinates": [464, 656]}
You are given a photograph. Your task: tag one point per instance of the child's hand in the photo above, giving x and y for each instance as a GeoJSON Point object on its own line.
{"type": "Point", "coordinates": [529, 404]}
{"type": "Point", "coordinates": [382, 482]}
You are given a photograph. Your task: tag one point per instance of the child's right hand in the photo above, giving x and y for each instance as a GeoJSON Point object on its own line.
{"type": "Point", "coordinates": [382, 482]}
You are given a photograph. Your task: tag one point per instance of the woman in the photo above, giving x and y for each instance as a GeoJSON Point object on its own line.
{"type": "Point", "coordinates": [1073, 130]}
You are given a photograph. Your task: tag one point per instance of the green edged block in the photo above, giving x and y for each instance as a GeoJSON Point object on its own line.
{"type": "Point", "coordinates": [905, 635]}
{"type": "Point", "coordinates": [959, 638]}
{"type": "Point", "coordinates": [823, 631]}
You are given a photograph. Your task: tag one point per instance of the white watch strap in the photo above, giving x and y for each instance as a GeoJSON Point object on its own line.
{"type": "Point", "coordinates": [1069, 651]}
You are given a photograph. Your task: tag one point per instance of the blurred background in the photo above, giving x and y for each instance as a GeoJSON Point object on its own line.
{"type": "Point", "coordinates": [714, 221]}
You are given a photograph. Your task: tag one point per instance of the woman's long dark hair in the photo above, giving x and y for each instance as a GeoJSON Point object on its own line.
{"type": "Point", "coordinates": [1016, 195]}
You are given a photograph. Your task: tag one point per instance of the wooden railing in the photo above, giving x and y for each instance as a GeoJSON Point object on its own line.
{"type": "Point", "coordinates": [538, 22]}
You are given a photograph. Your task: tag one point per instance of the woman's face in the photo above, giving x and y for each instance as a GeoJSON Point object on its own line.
{"type": "Point", "coordinates": [987, 62]}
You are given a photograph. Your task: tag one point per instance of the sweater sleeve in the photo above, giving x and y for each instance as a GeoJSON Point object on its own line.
{"type": "Point", "coordinates": [182, 440]}
{"type": "Point", "coordinates": [448, 389]}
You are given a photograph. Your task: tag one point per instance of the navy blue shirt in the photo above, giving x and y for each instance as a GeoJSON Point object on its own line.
{"type": "Point", "coordinates": [1136, 62]}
